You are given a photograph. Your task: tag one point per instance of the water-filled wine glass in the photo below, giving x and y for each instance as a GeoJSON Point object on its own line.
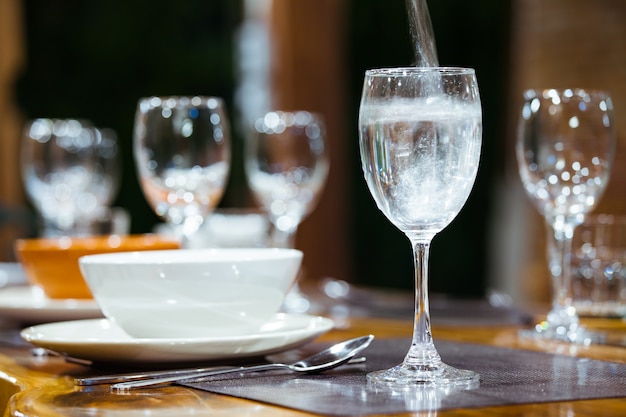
{"type": "Point", "coordinates": [70, 171]}
{"type": "Point", "coordinates": [565, 149]}
{"type": "Point", "coordinates": [286, 165]}
{"type": "Point", "coordinates": [182, 152]}
{"type": "Point", "coordinates": [420, 138]}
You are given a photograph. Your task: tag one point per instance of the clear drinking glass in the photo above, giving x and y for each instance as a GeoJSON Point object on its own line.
{"type": "Point", "coordinates": [599, 266]}
{"type": "Point", "coordinates": [286, 165]}
{"type": "Point", "coordinates": [420, 139]}
{"type": "Point", "coordinates": [565, 149]}
{"type": "Point", "coordinates": [70, 171]}
{"type": "Point", "coordinates": [182, 152]}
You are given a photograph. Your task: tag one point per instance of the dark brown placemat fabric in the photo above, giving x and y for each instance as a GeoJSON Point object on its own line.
{"type": "Point", "coordinates": [507, 376]}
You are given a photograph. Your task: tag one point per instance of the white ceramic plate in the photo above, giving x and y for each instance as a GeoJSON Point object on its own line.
{"type": "Point", "coordinates": [29, 304]}
{"type": "Point", "coordinates": [103, 341]}
{"type": "Point", "coordinates": [11, 273]}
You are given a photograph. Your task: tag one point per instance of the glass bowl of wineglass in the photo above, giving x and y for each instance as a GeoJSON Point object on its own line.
{"type": "Point", "coordinates": [70, 171]}
{"type": "Point", "coordinates": [182, 153]}
{"type": "Point", "coordinates": [565, 148]}
{"type": "Point", "coordinates": [420, 132]}
{"type": "Point", "coordinates": [286, 165]}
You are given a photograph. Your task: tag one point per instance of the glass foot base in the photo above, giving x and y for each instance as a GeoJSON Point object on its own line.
{"type": "Point", "coordinates": [440, 375]}
{"type": "Point", "coordinates": [580, 335]}
{"type": "Point", "coordinates": [563, 324]}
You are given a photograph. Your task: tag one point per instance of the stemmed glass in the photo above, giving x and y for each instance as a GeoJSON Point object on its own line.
{"type": "Point", "coordinates": [565, 149]}
{"type": "Point", "coordinates": [182, 152]}
{"type": "Point", "coordinates": [70, 171]}
{"type": "Point", "coordinates": [286, 165]}
{"type": "Point", "coordinates": [420, 139]}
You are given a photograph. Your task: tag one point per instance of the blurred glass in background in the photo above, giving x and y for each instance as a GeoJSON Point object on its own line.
{"type": "Point", "coordinates": [71, 174]}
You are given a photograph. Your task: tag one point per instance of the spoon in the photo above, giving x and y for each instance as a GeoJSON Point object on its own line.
{"type": "Point", "coordinates": [182, 373]}
{"type": "Point", "coordinates": [324, 360]}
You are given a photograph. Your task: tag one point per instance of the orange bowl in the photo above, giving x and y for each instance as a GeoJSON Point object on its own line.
{"type": "Point", "coordinates": [52, 263]}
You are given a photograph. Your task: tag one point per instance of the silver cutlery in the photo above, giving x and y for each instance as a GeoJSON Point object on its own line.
{"type": "Point", "coordinates": [324, 360]}
{"type": "Point", "coordinates": [139, 376]}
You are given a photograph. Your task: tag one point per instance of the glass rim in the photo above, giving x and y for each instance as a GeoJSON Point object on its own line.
{"type": "Point", "coordinates": [83, 122]}
{"type": "Point", "coordinates": [404, 71]}
{"type": "Point", "coordinates": [289, 113]}
{"type": "Point", "coordinates": [155, 102]}
{"type": "Point", "coordinates": [548, 93]}
{"type": "Point", "coordinates": [180, 97]}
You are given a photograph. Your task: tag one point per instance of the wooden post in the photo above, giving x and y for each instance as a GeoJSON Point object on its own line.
{"type": "Point", "coordinates": [11, 60]}
{"type": "Point", "coordinates": [308, 73]}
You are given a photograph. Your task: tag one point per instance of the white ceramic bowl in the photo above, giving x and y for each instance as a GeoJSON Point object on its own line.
{"type": "Point", "coordinates": [191, 292]}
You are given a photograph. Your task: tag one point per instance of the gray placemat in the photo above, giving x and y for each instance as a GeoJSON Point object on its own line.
{"type": "Point", "coordinates": [507, 376]}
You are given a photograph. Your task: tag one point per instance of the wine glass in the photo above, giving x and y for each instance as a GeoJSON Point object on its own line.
{"type": "Point", "coordinates": [70, 171]}
{"type": "Point", "coordinates": [420, 134]}
{"type": "Point", "coordinates": [565, 148]}
{"type": "Point", "coordinates": [286, 165]}
{"type": "Point", "coordinates": [182, 152]}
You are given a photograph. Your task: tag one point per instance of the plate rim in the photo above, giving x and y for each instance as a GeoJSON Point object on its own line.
{"type": "Point", "coordinates": [157, 349]}
{"type": "Point", "coordinates": [47, 304]}
{"type": "Point", "coordinates": [187, 340]}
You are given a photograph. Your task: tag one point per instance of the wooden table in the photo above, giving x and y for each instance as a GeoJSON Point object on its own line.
{"type": "Point", "coordinates": [31, 386]}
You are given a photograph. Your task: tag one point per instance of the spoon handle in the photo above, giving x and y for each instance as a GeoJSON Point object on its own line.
{"type": "Point", "coordinates": [124, 387]}
{"type": "Point", "coordinates": [136, 376]}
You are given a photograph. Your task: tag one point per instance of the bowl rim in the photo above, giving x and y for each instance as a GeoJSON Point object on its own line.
{"type": "Point", "coordinates": [127, 243]}
{"type": "Point", "coordinates": [191, 256]}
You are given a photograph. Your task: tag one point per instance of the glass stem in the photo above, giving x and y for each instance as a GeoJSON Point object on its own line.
{"type": "Point", "coordinates": [283, 238]}
{"type": "Point", "coordinates": [562, 319]}
{"type": "Point", "coordinates": [185, 229]}
{"type": "Point", "coordinates": [422, 351]}
{"type": "Point", "coordinates": [560, 251]}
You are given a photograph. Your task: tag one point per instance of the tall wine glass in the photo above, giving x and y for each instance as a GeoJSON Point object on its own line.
{"type": "Point", "coordinates": [182, 152]}
{"type": "Point", "coordinates": [420, 139]}
{"type": "Point", "coordinates": [565, 149]}
{"type": "Point", "coordinates": [286, 165]}
{"type": "Point", "coordinates": [70, 171]}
